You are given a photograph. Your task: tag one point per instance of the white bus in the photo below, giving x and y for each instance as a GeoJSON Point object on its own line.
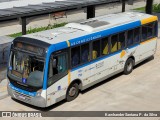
{"type": "Point", "coordinates": [49, 66]}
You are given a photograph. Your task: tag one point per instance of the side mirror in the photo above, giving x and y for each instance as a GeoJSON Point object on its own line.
{"type": "Point", "coordinates": [54, 62]}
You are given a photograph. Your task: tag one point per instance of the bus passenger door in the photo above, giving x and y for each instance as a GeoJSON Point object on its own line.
{"type": "Point", "coordinates": [58, 76]}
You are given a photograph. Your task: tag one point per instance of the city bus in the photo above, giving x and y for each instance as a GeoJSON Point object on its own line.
{"type": "Point", "coordinates": [49, 66]}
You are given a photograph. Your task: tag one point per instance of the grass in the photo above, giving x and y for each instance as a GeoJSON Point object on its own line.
{"type": "Point", "coordinates": [140, 9]}
{"type": "Point", "coordinates": [156, 8]}
{"type": "Point", "coordinates": [34, 30]}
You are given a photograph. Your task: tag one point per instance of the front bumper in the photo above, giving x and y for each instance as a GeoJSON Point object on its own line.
{"type": "Point", "coordinates": [30, 98]}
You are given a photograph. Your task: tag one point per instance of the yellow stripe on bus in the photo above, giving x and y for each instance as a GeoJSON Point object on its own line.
{"type": "Point", "coordinates": [69, 77]}
{"type": "Point", "coordinates": [68, 43]}
{"type": "Point", "coordinates": [148, 40]}
{"type": "Point", "coordinates": [148, 20]}
{"type": "Point", "coordinates": [123, 53]}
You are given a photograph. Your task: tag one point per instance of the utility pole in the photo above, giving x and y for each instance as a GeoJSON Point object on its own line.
{"type": "Point", "coordinates": [90, 11]}
{"type": "Point", "coordinates": [149, 4]}
{"type": "Point", "coordinates": [123, 5]}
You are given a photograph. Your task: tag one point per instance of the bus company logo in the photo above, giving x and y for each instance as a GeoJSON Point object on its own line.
{"type": "Point", "coordinates": [24, 80]}
{"type": "Point", "coordinates": [10, 67]}
{"type": "Point", "coordinates": [6, 114]}
{"type": "Point", "coordinates": [59, 88]}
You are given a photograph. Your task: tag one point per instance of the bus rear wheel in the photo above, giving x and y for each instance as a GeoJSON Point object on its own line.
{"type": "Point", "coordinates": [128, 68]}
{"type": "Point", "coordinates": [73, 92]}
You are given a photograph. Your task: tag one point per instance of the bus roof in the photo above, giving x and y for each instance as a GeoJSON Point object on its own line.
{"type": "Point", "coordinates": [73, 31]}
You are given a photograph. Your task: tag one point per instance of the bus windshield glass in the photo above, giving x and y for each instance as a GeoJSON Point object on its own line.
{"type": "Point", "coordinates": [28, 68]}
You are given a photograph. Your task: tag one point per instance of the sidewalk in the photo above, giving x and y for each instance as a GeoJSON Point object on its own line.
{"type": "Point", "coordinates": [3, 89]}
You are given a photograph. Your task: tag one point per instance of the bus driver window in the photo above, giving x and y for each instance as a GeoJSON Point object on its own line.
{"type": "Point", "coordinates": [58, 64]}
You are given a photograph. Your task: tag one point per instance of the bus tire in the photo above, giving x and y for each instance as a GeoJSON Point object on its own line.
{"type": "Point", "coordinates": [128, 68]}
{"type": "Point", "coordinates": [72, 92]}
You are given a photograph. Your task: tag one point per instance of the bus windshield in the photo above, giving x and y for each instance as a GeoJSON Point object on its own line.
{"type": "Point", "coordinates": [28, 68]}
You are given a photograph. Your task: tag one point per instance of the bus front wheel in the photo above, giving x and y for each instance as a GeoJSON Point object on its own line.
{"type": "Point", "coordinates": [128, 68]}
{"type": "Point", "coordinates": [73, 92]}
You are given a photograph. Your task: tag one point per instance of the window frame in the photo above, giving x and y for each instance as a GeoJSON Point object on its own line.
{"type": "Point", "coordinates": [140, 37]}
{"type": "Point", "coordinates": [111, 43]}
{"type": "Point", "coordinates": [153, 30]}
{"type": "Point", "coordinates": [72, 67]}
{"type": "Point", "coordinates": [71, 55]}
{"type": "Point", "coordinates": [127, 38]}
{"type": "Point", "coordinates": [58, 76]}
{"type": "Point", "coordinates": [124, 41]}
{"type": "Point", "coordinates": [81, 53]}
{"type": "Point", "coordinates": [100, 39]}
{"type": "Point", "coordinates": [108, 39]}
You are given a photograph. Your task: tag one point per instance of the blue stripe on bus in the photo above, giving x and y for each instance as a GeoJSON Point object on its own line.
{"type": "Point", "coordinates": [101, 58]}
{"type": "Point", "coordinates": [23, 91]}
{"type": "Point", "coordinates": [46, 68]}
{"type": "Point", "coordinates": [84, 39]}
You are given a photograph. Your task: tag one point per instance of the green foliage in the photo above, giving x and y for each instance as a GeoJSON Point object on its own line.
{"type": "Point", "coordinates": [156, 8]}
{"type": "Point", "coordinates": [140, 9]}
{"type": "Point", "coordinates": [34, 30]}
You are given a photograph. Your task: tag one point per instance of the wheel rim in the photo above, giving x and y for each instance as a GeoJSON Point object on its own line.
{"type": "Point", "coordinates": [72, 91]}
{"type": "Point", "coordinates": [129, 66]}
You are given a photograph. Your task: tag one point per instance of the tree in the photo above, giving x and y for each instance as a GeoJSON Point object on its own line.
{"type": "Point", "coordinates": [149, 4]}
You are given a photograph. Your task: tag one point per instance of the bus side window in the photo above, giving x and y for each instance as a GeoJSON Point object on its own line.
{"type": "Point", "coordinates": [58, 65]}
{"type": "Point", "coordinates": [155, 29]}
{"type": "Point", "coordinates": [75, 56]}
{"type": "Point", "coordinates": [136, 35]}
{"type": "Point", "coordinates": [130, 38]}
{"type": "Point", "coordinates": [144, 33]}
{"type": "Point", "coordinates": [96, 49]}
{"type": "Point", "coordinates": [121, 42]}
{"type": "Point", "coordinates": [105, 46]}
{"type": "Point", "coordinates": [150, 30]}
{"type": "Point", "coordinates": [114, 43]}
{"type": "Point", "coordinates": [85, 53]}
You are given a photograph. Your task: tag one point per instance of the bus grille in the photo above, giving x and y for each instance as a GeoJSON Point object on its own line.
{"type": "Point", "coordinates": [22, 97]}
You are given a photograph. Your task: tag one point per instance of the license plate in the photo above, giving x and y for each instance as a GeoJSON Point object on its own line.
{"type": "Point", "coordinates": [21, 97]}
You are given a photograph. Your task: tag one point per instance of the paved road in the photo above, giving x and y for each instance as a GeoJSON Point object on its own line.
{"type": "Point", "coordinates": [137, 91]}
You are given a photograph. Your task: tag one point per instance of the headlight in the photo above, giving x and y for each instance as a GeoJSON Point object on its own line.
{"type": "Point", "coordinates": [39, 92]}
